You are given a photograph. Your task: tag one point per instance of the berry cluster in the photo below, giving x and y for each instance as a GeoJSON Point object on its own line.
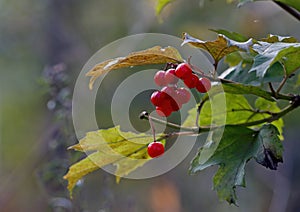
{"type": "Point", "coordinates": [171, 98]}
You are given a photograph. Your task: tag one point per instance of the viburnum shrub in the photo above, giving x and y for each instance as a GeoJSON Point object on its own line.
{"type": "Point", "coordinates": [259, 68]}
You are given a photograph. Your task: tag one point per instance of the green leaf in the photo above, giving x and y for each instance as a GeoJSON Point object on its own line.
{"type": "Point", "coordinates": [236, 147]}
{"type": "Point", "coordinates": [264, 105]}
{"type": "Point", "coordinates": [231, 150]}
{"type": "Point", "coordinates": [290, 58]}
{"type": "Point", "coordinates": [237, 110]}
{"type": "Point", "coordinates": [238, 88]}
{"type": "Point", "coordinates": [215, 113]}
{"type": "Point", "coordinates": [218, 48]}
{"type": "Point", "coordinates": [293, 3]}
{"type": "Point", "coordinates": [161, 4]}
{"type": "Point", "coordinates": [231, 35]}
{"type": "Point", "coordinates": [235, 58]}
{"type": "Point", "coordinates": [240, 73]}
{"type": "Point", "coordinates": [287, 54]}
{"type": "Point", "coordinates": [126, 150]}
{"type": "Point", "coordinates": [270, 149]}
{"type": "Point", "coordinates": [154, 55]}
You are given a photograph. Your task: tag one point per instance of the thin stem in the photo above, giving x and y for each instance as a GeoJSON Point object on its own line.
{"type": "Point", "coordinates": [215, 69]}
{"type": "Point", "coordinates": [275, 116]}
{"type": "Point", "coordinates": [281, 84]}
{"type": "Point", "coordinates": [254, 111]}
{"type": "Point", "coordinates": [145, 115]}
{"type": "Point", "coordinates": [272, 88]}
{"type": "Point", "coordinates": [199, 111]}
{"type": "Point", "coordinates": [288, 9]}
{"type": "Point", "coordinates": [152, 127]}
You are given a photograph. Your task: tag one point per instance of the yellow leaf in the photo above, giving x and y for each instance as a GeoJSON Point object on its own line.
{"type": "Point", "coordinates": [87, 165]}
{"type": "Point", "coordinates": [154, 55]}
{"type": "Point", "coordinates": [112, 139]}
{"type": "Point", "coordinates": [127, 165]}
{"type": "Point", "coordinates": [126, 150]}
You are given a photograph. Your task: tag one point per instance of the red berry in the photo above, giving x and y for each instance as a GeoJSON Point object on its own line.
{"type": "Point", "coordinates": [164, 110]}
{"type": "Point", "coordinates": [155, 149]}
{"type": "Point", "coordinates": [183, 95]}
{"type": "Point", "coordinates": [171, 91]}
{"type": "Point", "coordinates": [170, 77]}
{"type": "Point", "coordinates": [159, 78]}
{"type": "Point", "coordinates": [175, 104]}
{"type": "Point", "coordinates": [158, 98]}
{"type": "Point", "coordinates": [191, 81]}
{"type": "Point", "coordinates": [183, 71]}
{"type": "Point", "coordinates": [203, 85]}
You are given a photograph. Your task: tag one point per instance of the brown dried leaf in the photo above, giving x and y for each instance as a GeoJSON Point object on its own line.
{"type": "Point", "coordinates": [154, 55]}
{"type": "Point", "coordinates": [218, 48]}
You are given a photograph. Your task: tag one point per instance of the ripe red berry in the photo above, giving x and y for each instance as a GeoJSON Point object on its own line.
{"type": "Point", "coordinates": [203, 85]}
{"type": "Point", "coordinates": [191, 81]}
{"type": "Point", "coordinates": [182, 95]}
{"type": "Point", "coordinates": [159, 78]}
{"type": "Point", "coordinates": [164, 110]}
{"type": "Point", "coordinates": [183, 71]}
{"type": "Point", "coordinates": [170, 77]}
{"type": "Point", "coordinates": [171, 91]}
{"type": "Point", "coordinates": [158, 98]}
{"type": "Point", "coordinates": [175, 104]}
{"type": "Point", "coordinates": [155, 149]}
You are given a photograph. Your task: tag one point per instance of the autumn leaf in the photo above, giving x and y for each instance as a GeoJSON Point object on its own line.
{"type": "Point", "coordinates": [87, 165]}
{"type": "Point", "coordinates": [126, 150]}
{"type": "Point", "coordinates": [154, 55]}
{"type": "Point", "coordinates": [218, 48]}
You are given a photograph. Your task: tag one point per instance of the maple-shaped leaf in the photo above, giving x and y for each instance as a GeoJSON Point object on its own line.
{"type": "Point", "coordinates": [231, 150]}
{"type": "Point", "coordinates": [154, 55]}
{"type": "Point", "coordinates": [126, 150]}
{"type": "Point", "coordinates": [218, 48]}
{"type": "Point", "coordinates": [231, 108]}
{"type": "Point", "coordinates": [270, 54]}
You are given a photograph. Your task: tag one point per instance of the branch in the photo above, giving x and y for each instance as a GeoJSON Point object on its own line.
{"type": "Point", "coordinates": [197, 130]}
{"type": "Point", "coordinates": [288, 9]}
{"type": "Point", "coordinates": [275, 116]}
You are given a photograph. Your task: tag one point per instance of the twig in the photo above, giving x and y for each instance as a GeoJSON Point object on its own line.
{"type": "Point", "coordinates": [288, 9]}
{"type": "Point", "coordinates": [145, 115]}
{"type": "Point", "coordinates": [197, 130]}
{"type": "Point", "coordinates": [281, 84]}
{"type": "Point", "coordinates": [272, 89]}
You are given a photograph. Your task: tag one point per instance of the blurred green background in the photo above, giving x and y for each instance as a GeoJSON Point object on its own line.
{"type": "Point", "coordinates": [43, 46]}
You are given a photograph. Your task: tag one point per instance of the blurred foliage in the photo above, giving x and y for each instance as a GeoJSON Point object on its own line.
{"type": "Point", "coordinates": [38, 34]}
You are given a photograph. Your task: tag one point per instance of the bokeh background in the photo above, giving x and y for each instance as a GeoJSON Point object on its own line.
{"type": "Point", "coordinates": [43, 46]}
